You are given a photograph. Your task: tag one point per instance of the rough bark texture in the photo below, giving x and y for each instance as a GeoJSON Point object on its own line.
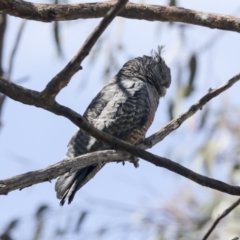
{"type": "Point", "coordinates": [34, 98]}
{"type": "Point", "coordinates": [63, 12]}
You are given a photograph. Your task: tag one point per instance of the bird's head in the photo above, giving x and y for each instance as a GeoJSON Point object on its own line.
{"type": "Point", "coordinates": [151, 69]}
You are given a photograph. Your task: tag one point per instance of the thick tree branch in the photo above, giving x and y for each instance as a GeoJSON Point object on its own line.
{"type": "Point", "coordinates": [55, 170]}
{"type": "Point", "coordinates": [224, 214]}
{"type": "Point", "coordinates": [60, 12]}
{"type": "Point", "coordinates": [62, 78]}
{"type": "Point", "coordinates": [35, 98]}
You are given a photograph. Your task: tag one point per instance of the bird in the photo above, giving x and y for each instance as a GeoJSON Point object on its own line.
{"type": "Point", "coordinates": [124, 108]}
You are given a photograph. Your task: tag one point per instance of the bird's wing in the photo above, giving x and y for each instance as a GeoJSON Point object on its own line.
{"type": "Point", "coordinates": [122, 109]}
{"type": "Point", "coordinates": [127, 113]}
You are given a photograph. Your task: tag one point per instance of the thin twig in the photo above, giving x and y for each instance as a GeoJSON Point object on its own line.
{"type": "Point", "coordinates": [3, 23]}
{"type": "Point", "coordinates": [224, 214]}
{"type": "Point", "coordinates": [31, 97]}
{"type": "Point", "coordinates": [62, 78]}
{"type": "Point", "coordinates": [63, 12]}
{"type": "Point", "coordinates": [3, 97]}
{"type": "Point", "coordinates": [176, 123]}
{"type": "Point", "coordinates": [55, 170]}
{"type": "Point", "coordinates": [15, 47]}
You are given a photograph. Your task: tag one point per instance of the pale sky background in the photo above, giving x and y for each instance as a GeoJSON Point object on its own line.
{"type": "Point", "coordinates": [32, 138]}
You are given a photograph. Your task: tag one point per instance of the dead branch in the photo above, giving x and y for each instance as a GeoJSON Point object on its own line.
{"type": "Point", "coordinates": [63, 12]}
{"type": "Point", "coordinates": [177, 122]}
{"type": "Point", "coordinates": [55, 170]}
{"type": "Point", "coordinates": [35, 98]}
{"type": "Point", "coordinates": [46, 98]}
{"type": "Point", "coordinates": [63, 77]}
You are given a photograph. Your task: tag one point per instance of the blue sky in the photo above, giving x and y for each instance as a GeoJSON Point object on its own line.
{"type": "Point", "coordinates": [33, 138]}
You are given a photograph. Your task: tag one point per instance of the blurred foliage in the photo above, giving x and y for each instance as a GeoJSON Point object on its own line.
{"type": "Point", "coordinates": [185, 215]}
{"type": "Point", "coordinates": [6, 235]}
{"type": "Point", "coordinates": [172, 3]}
{"type": "Point", "coordinates": [192, 69]}
{"type": "Point", "coordinates": [56, 31]}
{"type": "Point", "coordinates": [40, 221]}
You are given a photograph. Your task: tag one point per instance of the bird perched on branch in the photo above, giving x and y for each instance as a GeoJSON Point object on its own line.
{"type": "Point", "coordinates": [124, 108]}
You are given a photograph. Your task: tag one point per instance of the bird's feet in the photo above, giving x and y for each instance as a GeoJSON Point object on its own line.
{"type": "Point", "coordinates": [123, 162]}
{"type": "Point", "coordinates": [134, 160]}
{"type": "Point", "coordinates": [145, 141]}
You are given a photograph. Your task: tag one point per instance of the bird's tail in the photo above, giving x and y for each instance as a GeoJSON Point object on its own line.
{"type": "Point", "coordinates": [69, 183]}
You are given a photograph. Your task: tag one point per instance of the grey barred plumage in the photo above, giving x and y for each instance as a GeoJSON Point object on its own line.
{"type": "Point", "coordinates": [124, 108]}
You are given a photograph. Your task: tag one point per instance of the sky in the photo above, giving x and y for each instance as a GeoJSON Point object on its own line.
{"type": "Point", "coordinates": [32, 138]}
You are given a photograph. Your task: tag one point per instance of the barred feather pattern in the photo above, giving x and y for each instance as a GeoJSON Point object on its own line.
{"type": "Point", "coordinates": [124, 108]}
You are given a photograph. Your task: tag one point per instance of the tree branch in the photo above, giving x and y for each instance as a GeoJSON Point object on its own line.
{"type": "Point", "coordinates": [177, 122]}
{"type": "Point", "coordinates": [55, 170]}
{"type": "Point", "coordinates": [62, 12]}
{"type": "Point", "coordinates": [63, 77]}
{"type": "Point", "coordinates": [15, 48]}
{"type": "Point", "coordinates": [35, 98]}
{"type": "Point", "coordinates": [3, 23]}
{"type": "Point", "coordinates": [224, 214]}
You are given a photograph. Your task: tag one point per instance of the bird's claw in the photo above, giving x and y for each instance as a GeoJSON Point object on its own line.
{"type": "Point", "coordinates": [145, 141]}
{"type": "Point", "coordinates": [123, 162]}
{"type": "Point", "coordinates": [134, 160]}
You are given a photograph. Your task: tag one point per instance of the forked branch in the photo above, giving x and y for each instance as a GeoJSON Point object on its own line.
{"type": "Point", "coordinates": [34, 98]}
{"type": "Point", "coordinates": [63, 77]}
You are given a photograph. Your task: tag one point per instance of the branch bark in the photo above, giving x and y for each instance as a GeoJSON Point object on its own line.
{"type": "Point", "coordinates": [46, 100]}
{"type": "Point", "coordinates": [35, 98]}
{"type": "Point", "coordinates": [177, 122]}
{"type": "Point", "coordinates": [55, 170]}
{"type": "Point", "coordinates": [63, 12]}
{"type": "Point", "coordinates": [63, 77]}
